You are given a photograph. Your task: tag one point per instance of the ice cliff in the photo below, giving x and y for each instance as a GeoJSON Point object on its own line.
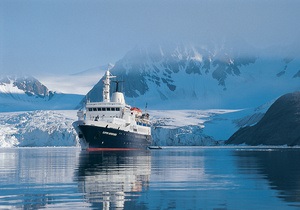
{"type": "Point", "coordinates": [37, 128]}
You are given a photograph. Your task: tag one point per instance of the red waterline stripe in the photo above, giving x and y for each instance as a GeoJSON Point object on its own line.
{"type": "Point", "coordinates": [110, 149]}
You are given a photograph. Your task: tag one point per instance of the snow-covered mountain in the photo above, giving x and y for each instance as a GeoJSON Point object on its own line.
{"type": "Point", "coordinates": [24, 84]}
{"type": "Point", "coordinates": [25, 93]}
{"type": "Point", "coordinates": [181, 76]}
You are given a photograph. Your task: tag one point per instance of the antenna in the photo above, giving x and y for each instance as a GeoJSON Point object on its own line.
{"type": "Point", "coordinates": [146, 106]}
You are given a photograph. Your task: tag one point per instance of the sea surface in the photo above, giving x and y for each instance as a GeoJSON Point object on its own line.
{"type": "Point", "coordinates": [169, 178]}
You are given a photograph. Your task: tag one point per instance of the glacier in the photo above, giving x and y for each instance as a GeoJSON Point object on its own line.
{"type": "Point", "coordinates": [37, 129]}
{"type": "Point", "coordinates": [48, 128]}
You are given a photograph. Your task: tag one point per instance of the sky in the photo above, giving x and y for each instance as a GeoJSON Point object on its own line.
{"type": "Point", "coordinates": [69, 36]}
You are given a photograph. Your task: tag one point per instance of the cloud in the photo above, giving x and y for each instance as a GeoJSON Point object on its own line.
{"type": "Point", "coordinates": [72, 35]}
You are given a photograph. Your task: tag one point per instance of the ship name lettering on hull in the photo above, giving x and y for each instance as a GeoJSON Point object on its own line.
{"type": "Point", "coordinates": [109, 133]}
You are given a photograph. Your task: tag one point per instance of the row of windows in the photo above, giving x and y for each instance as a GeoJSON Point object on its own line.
{"type": "Point", "coordinates": [104, 109]}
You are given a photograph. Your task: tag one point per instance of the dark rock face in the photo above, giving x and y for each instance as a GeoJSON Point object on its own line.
{"type": "Point", "coordinates": [31, 86]}
{"type": "Point", "coordinates": [279, 126]}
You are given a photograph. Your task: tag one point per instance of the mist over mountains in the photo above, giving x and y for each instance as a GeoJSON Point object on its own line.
{"type": "Point", "coordinates": [187, 76]}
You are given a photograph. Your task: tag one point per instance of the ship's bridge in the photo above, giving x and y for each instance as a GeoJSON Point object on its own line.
{"type": "Point", "coordinates": [98, 110]}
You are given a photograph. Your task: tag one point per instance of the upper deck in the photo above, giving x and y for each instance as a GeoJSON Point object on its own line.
{"type": "Point", "coordinates": [98, 110]}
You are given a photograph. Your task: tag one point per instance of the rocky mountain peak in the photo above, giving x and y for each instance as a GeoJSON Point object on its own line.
{"type": "Point", "coordinates": [30, 85]}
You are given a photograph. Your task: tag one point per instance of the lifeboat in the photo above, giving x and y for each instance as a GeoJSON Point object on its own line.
{"type": "Point", "coordinates": [136, 109]}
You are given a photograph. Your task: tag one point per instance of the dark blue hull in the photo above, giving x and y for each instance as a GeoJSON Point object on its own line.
{"type": "Point", "coordinates": [109, 138]}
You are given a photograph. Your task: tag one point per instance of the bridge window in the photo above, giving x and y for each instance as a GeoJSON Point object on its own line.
{"type": "Point", "coordinates": [94, 109]}
{"type": "Point", "coordinates": [90, 109]}
{"type": "Point", "coordinates": [117, 109]}
{"type": "Point", "coordinates": [108, 108]}
{"type": "Point", "coordinates": [113, 109]}
{"type": "Point", "coordinates": [99, 109]}
{"type": "Point", "coordinates": [103, 109]}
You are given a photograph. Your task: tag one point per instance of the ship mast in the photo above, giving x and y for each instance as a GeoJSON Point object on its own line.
{"type": "Point", "coordinates": [106, 87]}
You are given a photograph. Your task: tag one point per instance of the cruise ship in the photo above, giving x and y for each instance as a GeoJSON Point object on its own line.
{"type": "Point", "coordinates": [112, 124]}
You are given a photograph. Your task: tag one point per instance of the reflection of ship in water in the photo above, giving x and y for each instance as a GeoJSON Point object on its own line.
{"type": "Point", "coordinates": [279, 166]}
{"type": "Point", "coordinates": [113, 179]}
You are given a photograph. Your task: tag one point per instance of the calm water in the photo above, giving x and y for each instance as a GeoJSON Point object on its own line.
{"type": "Point", "coordinates": [172, 178]}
